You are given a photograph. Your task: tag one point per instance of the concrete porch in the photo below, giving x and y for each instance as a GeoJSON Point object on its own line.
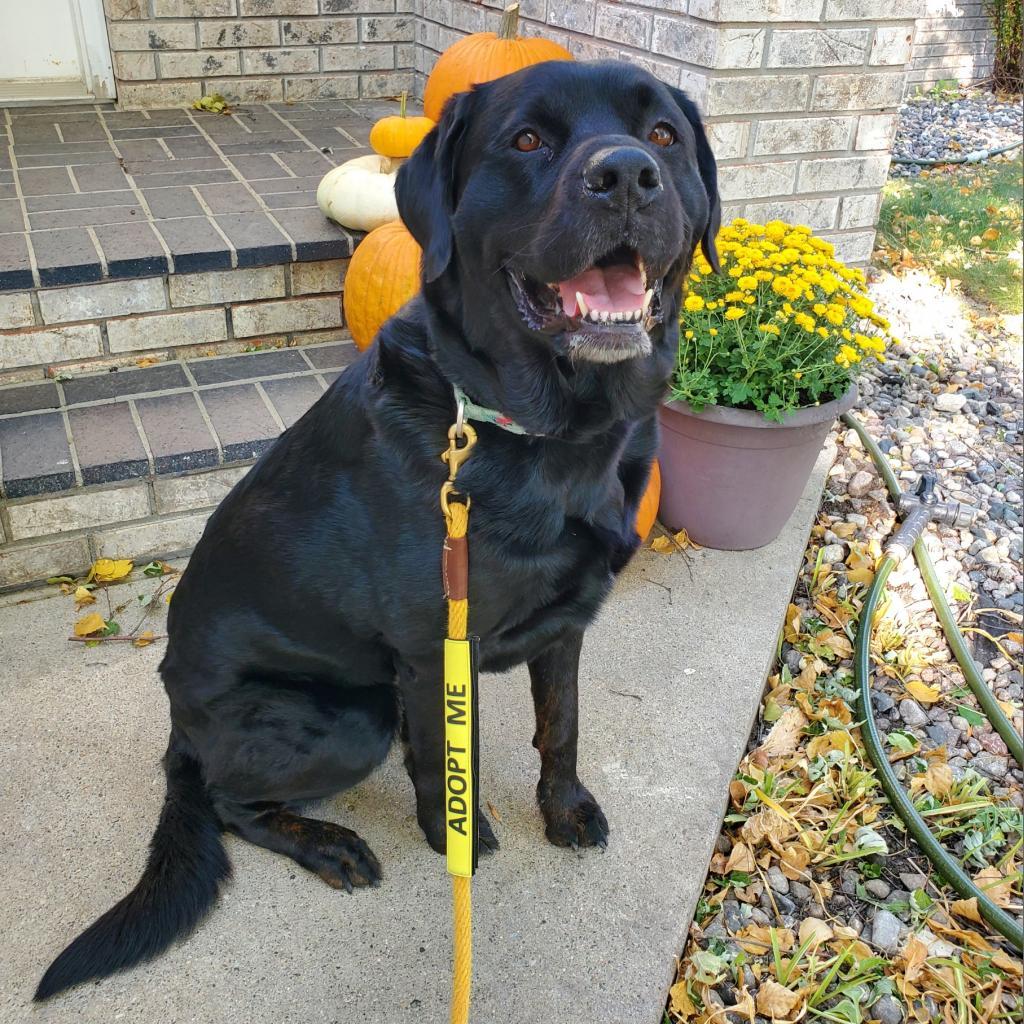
{"type": "Point", "coordinates": [672, 676]}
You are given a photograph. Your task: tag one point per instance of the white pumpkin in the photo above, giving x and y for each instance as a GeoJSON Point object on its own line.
{"type": "Point", "coordinates": [360, 193]}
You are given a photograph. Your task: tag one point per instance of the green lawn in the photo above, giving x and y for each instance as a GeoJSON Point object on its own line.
{"type": "Point", "coordinates": [962, 223]}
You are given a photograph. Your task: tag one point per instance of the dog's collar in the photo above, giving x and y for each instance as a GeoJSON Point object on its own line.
{"type": "Point", "coordinates": [481, 414]}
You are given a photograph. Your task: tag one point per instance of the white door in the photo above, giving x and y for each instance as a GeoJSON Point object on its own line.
{"type": "Point", "coordinates": [54, 50]}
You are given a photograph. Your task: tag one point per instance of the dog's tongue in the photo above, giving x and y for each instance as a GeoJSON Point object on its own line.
{"type": "Point", "coordinates": [617, 289]}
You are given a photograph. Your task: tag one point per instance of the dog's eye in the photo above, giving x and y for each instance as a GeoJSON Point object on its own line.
{"type": "Point", "coordinates": [527, 142]}
{"type": "Point", "coordinates": [662, 135]}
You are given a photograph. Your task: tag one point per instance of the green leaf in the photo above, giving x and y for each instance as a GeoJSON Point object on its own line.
{"type": "Point", "coordinates": [709, 968]}
{"type": "Point", "coordinates": [867, 840]}
{"type": "Point", "coordinates": [960, 593]}
{"type": "Point", "coordinates": [972, 716]}
{"type": "Point", "coordinates": [60, 579]}
{"type": "Point", "coordinates": [113, 628]}
{"type": "Point", "coordinates": [902, 741]}
{"type": "Point", "coordinates": [921, 901]}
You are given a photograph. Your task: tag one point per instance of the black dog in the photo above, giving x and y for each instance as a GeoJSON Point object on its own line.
{"type": "Point", "coordinates": [558, 210]}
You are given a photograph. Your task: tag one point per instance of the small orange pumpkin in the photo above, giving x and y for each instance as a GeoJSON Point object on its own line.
{"type": "Point", "coordinates": [395, 137]}
{"type": "Point", "coordinates": [484, 56]}
{"type": "Point", "coordinates": [647, 511]}
{"type": "Point", "coordinates": [383, 275]}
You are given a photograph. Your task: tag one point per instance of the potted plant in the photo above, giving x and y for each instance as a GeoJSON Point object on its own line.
{"type": "Point", "coordinates": [768, 353]}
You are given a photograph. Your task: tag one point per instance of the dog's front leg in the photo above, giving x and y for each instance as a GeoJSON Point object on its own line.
{"type": "Point", "coordinates": [423, 734]}
{"type": "Point", "coordinates": [571, 814]}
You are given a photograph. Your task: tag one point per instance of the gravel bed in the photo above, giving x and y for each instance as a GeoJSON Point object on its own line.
{"type": "Point", "coordinates": [932, 129]}
{"type": "Point", "coordinates": [949, 401]}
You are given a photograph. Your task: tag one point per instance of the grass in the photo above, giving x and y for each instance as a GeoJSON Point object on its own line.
{"type": "Point", "coordinates": [962, 223]}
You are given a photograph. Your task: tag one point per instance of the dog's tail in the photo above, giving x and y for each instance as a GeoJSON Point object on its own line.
{"type": "Point", "coordinates": [187, 862]}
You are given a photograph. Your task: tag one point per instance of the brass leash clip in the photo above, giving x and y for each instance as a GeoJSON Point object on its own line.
{"type": "Point", "coordinates": [455, 455]}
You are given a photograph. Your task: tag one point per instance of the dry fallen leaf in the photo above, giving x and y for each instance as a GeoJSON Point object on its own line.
{"type": "Point", "coordinates": [757, 938]}
{"type": "Point", "coordinates": [838, 739]}
{"type": "Point", "coordinates": [83, 596]}
{"type": "Point", "coordinates": [144, 639]}
{"type": "Point", "coordinates": [938, 780]}
{"type": "Point", "coordinates": [766, 824]}
{"type": "Point", "coordinates": [997, 887]}
{"type": "Point", "coordinates": [794, 861]}
{"type": "Point", "coordinates": [107, 570]}
{"type": "Point", "coordinates": [915, 952]}
{"type": "Point", "coordinates": [815, 929]}
{"type": "Point", "coordinates": [967, 909]}
{"type": "Point", "coordinates": [791, 630]}
{"type": "Point", "coordinates": [922, 692]}
{"type": "Point", "coordinates": [740, 859]}
{"type": "Point", "coordinates": [785, 735]}
{"type": "Point", "coordinates": [679, 1001]}
{"type": "Point", "coordinates": [89, 624]}
{"type": "Point", "coordinates": [776, 1001]}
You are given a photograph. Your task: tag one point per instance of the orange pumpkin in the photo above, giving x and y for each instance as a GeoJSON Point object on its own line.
{"type": "Point", "coordinates": [484, 56]}
{"type": "Point", "coordinates": [647, 511]}
{"type": "Point", "coordinates": [383, 275]}
{"type": "Point", "coordinates": [395, 137]}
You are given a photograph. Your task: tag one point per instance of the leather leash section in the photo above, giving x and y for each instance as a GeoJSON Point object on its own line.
{"type": "Point", "coordinates": [461, 757]}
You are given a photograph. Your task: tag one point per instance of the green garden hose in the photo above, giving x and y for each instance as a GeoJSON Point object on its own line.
{"type": "Point", "coordinates": [989, 705]}
{"type": "Point", "coordinates": [946, 865]}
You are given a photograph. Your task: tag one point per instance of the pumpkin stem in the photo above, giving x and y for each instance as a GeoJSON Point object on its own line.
{"type": "Point", "coordinates": [509, 28]}
{"type": "Point", "coordinates": [403, 99]}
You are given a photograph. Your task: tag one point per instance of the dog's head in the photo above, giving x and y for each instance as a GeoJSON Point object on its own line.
{"type": "Point", "coordinates": [559, 208]}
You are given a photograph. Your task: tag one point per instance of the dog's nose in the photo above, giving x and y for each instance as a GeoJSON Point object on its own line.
{"type": "Point", "coordinates": [624, 175]}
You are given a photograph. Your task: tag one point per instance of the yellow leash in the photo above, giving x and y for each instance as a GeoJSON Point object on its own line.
{"type": "Point", "coordinates": [460, 716]}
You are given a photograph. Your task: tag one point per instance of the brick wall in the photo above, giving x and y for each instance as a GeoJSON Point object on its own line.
{"type": "Point", "coordinates": [170, 52]}
{"type": "Point", "coordinates": [800, 94]}
{"type": "Point", "coordinates": [85, 328]}
{"type": "Point", "coordinates": [954, 41]}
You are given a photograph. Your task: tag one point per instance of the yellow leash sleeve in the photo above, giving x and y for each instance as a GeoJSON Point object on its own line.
{"type": "Point", "coordinates": [460, 711]}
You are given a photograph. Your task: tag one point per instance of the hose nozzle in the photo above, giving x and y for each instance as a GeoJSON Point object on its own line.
{"type": "Point", "coordinates": [921, 508]}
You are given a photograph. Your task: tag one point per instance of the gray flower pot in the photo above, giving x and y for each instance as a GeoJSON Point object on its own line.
{"type": "Point", "coordinates": [731, 478]}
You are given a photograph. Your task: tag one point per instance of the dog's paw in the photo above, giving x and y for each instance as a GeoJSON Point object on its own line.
{"type": "Point", "coordinates": [572, 817]}
{"type": "Point", "coordinates": [434, 830]}
{"type": "Point", "coordinates": [346, 862]}
{"type": "Point", "coordinates": [488, 840]}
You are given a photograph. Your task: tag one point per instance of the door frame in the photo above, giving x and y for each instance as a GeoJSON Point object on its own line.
{"type": "Point", "coordinates": [94, 48]}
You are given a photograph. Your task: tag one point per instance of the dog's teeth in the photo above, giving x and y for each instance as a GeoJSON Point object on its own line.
{"type": "Point", "coordinates": [604, 317]}
{"type": "Point", "coordinates": [643, 271]}
{"type": "Point", "coordinates": [648, 299]}
{"type": "Point", "coordinates": [583, 308]}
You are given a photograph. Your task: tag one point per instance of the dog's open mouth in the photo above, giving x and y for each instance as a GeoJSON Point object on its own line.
{"type": "Point", "coordinates": [606, 310]}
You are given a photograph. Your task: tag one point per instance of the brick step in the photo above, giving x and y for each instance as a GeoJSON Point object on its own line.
{"type": "Point", "coordinates": [129, 463]}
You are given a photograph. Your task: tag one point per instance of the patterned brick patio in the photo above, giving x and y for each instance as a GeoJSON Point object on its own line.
{"type": "Point", "coordinates": [91, 193]}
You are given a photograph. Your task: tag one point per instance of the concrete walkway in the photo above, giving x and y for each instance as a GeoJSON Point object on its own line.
{"type": "Point", "coordinates": [671, 679]}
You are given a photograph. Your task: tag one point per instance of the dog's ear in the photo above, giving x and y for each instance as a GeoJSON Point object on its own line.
{"type": "Point", "coordinates": [708, 170]}
{"type": "Point", "coordinates": [426, 186]}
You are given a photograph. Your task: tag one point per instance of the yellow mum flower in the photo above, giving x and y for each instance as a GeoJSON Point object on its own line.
{"type": "Point", "coordinates": [835, 314]}
{"type": "Point", "coordinates": [688, 335]}
{"type": "Point", "coordinates": [847, 355]}
{"type": "Point", "coordinates": [861, 305]}
{"type": "Point", "coordinates": [713, 332]}
{"type": "Point", "coordinates": [735, 313]}
{"type": "Point", "coordinates": [806, 322]}
{"type": "Point", "coordinates": [748, 284]}
{"type": "Point", "coordinates": [823, 331]}
{"type": "Point", "coordinates": [734, 296]}
{"type": "Point", "coordinates": [769, 329]}
{"type": "Point", "coordinates": [693, 304]}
